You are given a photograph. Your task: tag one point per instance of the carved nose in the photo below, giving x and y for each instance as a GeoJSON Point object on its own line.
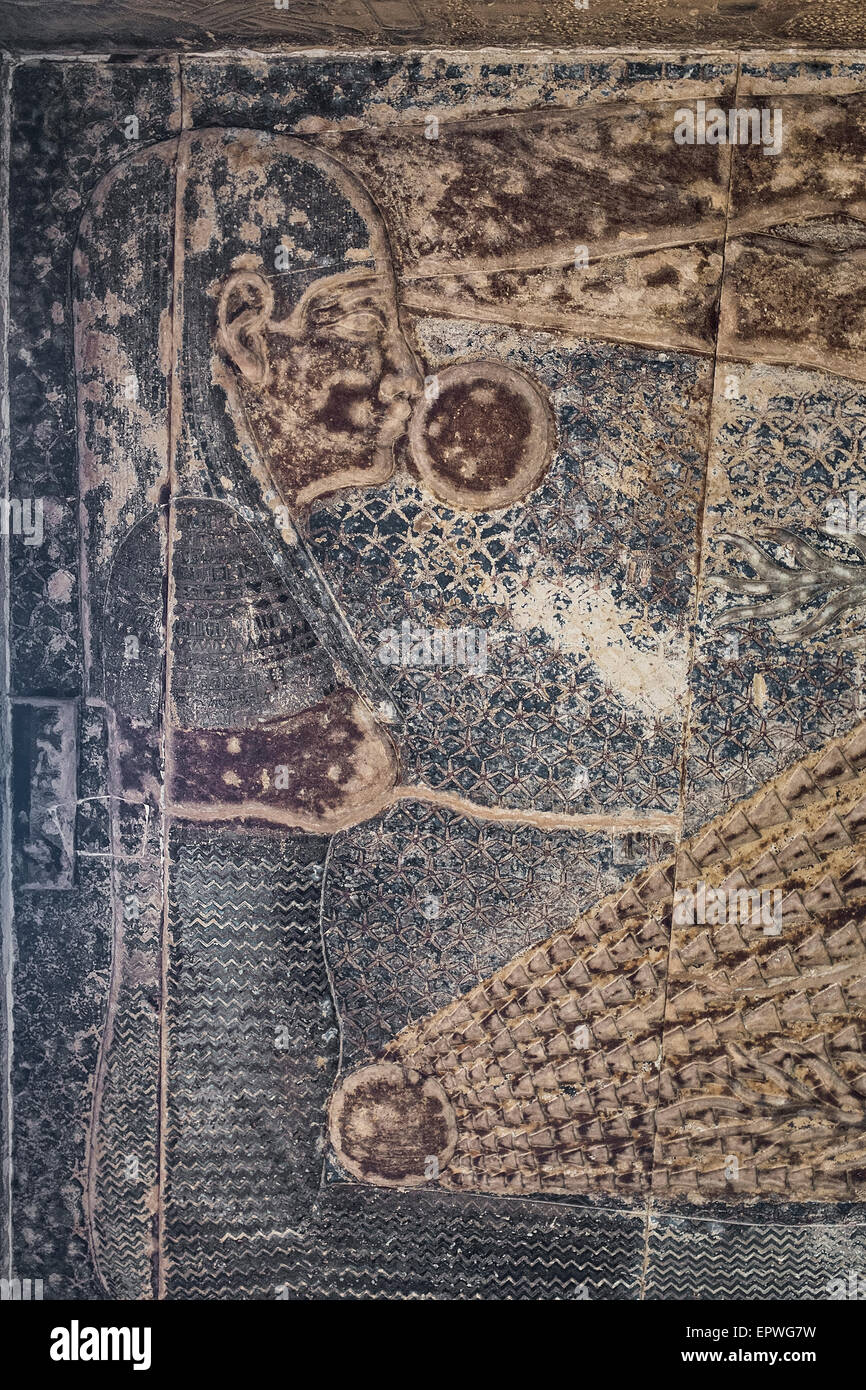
{"type": "Point", "coordinates": [406, 386]}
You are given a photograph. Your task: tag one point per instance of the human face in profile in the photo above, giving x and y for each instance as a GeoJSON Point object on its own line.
{"type": "Point", "coordinates": [327, 390]}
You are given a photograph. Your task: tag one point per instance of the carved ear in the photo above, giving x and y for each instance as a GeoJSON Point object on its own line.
{"type": "Point", "coordinates": [246, 305]}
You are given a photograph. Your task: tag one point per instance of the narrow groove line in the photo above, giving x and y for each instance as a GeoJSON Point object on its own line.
{"type": "Point", "coordinates": [174, 408]}
{"type": "Point", "coordinates": [332, 988]}
{"type": "Point", "coordinates": [687, 719]}
{"type": "Point", "coordinates": [6, 901]}
{"type": "Point", "coordinates": [554, 820]}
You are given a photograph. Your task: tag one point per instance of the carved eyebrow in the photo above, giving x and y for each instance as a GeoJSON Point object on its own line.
{"type": "Point", "coordinates": [333, 309]}
{"type": "Point", "coordinates": [333, 297]}
{"type": "Point", "coordinates": [347, 285]}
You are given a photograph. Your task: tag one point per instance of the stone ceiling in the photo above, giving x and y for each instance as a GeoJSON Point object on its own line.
{"type": "Point", "coordinates": [137, 24]}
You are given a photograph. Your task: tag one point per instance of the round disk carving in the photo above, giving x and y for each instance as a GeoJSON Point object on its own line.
{"type": "Point", "coordinates": [484, 438]}
{"type": "Point", "coordinates": [387, 1124]}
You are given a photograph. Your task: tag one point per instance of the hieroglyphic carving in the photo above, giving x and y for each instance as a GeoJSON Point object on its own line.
{"type": "Point", "coordinates": [317, 377]}
{"type": "Point", "coordinates": [566, 1072]}
{"type": "Point", "coordinates": [784, 591]}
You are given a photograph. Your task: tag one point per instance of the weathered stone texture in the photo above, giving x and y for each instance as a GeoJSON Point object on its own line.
{"type": "Point", "coordinates": [454, 552]}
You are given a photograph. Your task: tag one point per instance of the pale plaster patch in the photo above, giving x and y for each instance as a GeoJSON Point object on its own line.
{"type": "Point", "coordinates": [647, 671]}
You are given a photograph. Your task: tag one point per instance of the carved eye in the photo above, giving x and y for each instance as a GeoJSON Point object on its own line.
{"type": "Point", "coordinates": [360, 326]}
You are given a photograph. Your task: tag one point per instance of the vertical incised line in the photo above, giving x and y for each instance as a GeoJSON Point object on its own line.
{"type": "Point", "coordinates": [175, 413]}
{"type": "Point", "coordinates": [6, 905]}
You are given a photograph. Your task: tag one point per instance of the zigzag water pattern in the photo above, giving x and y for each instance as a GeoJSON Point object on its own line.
{"type": "Point", "coordinates": [720, 1260]}
{"type": "Point", "coordinates": [252, 1042]}
{"type": "Point", "coordinates": [245, 1122]}
{"type": "Point", "coordinates": [360, 1244]}
{"type": "Point", "coordinates": [245, 1218]}
{"type": "Point", "coordinates": [126, 1140]}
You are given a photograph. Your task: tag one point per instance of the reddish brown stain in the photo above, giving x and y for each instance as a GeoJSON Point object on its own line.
{"type": "Point", "coordinates": [485, 438]}
{"type": "Point", "coordinates": [391, 1126]}
{"type": "Point", "coordinates": [478, 435]}
{"type": "Point", "coordinates": [325, 764]}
